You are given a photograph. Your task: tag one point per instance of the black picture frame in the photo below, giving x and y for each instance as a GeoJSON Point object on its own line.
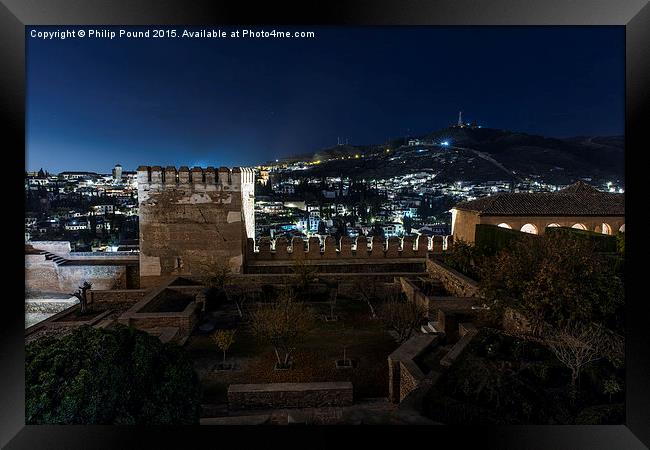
{"type": "Point", "coordinates": [634, 15]}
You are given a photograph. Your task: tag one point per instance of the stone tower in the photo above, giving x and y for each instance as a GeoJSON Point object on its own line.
{"type": "Point", "coordinates": [193, 219]}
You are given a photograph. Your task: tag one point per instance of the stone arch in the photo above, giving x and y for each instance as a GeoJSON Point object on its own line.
{"type": "Point", "coordinates": [622, 229]}
{"type": "Point", "coordinates": [529, 228]}
{"type": "Point", "coordinates": [579, 226]}
{"type": "Point", "coordinates": [605, 228]}
{"type": "Point", "coordinates": [504, 225]}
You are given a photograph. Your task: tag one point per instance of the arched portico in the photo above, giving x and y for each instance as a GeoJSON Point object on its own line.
{"type": "Point", "coordinates": [604, 228]}
{"type": "Point", "coordinates": [529, 228]}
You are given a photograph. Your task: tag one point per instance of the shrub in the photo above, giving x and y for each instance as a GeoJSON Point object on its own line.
{"type": "Point", "coordinates": [602, 415]}
{"type": "Point", "coordinates": [464, 258]}
{"type": "Point", "coordinates": [554, 279]}
{"type": "Point", "coordinates": [109, 377]}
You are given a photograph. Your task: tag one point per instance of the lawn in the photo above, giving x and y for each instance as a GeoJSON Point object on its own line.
{"type": "Point", "coordinates": [366, 342]}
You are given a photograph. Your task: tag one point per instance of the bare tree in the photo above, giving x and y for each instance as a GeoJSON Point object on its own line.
{"type": "Point", "coordinates": [82, 294]}
{"type": "Point", "coordinates": [284, 324]}
{"type": "Point", "coordinates": [332, 301]}
{"type": "Point", "coordinates": [575, 345]}
{"type": "Point", "coordinates": [239, 294]}
{"type": "Point", "coordinates": [401, 317]}
{"type": "Point", "coordinates": [368, 292]}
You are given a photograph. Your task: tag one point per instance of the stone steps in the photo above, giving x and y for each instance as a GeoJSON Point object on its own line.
{"type": "Point", "coordinates": [52, 257]}
{"type": "Point", "coordinates": [431, 328]}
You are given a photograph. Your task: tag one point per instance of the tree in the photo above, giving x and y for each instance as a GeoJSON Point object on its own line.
{"type": "Point", "coordinates": [304, 275]}
{"type": "Point", "coordinates": [82, 294]}
{"type": "Point", "coordinates": [555, 279]}
{"type": "Point", "coordinates": [368, 292]}
{"type": "Point", "coordinates": [239, 294]}
{"type": "Point", "coordinates": [401, 317]}
{"type": "Point", "coordinates": [611, 387]}
{"type": "Point", "coordinates": [464, 258]}
{"type": "Point", "coordinates": [109, 377]}
{"type": "Point", "coordinates": [284, 324]}
{"type": "Point", "coordinates": [217, 276]}
{"type": "Point", "coordinates": [575, 345]}
{"type": "Point", "coordinates": [224, 339]}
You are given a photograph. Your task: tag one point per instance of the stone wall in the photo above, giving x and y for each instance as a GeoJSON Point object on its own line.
{"type": "Point", "coordinates": [458, 348]}
{"type": "Point", "coordinates": [191, 219]}
{"type": "Point", "coordinates": [454, 282]}
{"type": "Point", "coordinates": [139, 317]}
{"type": "Point", "coordinates": [43, 275]}
{"type": "Point", "coordinates": [393, 265]}
{"type": "Point", "coordinates": [289, 395]}
{"type": "Point", "coordinates": [414, 294]}
{"type": "Point", "coordinates": [403, 372]}
{"type": "Point", "coordinates": [57, 247]}
{"type": "Point", "coordinates": [117, 295]}
{"type": "Point", "coordinates": [102, 277]}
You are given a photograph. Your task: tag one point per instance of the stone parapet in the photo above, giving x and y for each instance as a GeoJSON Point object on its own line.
{"type": "Point", "coordinates": [345, 248]}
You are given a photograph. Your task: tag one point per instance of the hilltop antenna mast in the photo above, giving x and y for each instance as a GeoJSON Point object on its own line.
{"type": "Point", "coordinates": [460, 118]}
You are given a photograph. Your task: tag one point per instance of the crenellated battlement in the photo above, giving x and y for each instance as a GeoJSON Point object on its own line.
{"type": "Point", "coordinates": [170, 175]}
{"type": "Point", "coordinates": [346, 248]}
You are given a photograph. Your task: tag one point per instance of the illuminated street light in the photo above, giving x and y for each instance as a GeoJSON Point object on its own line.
{"type": "Point", "coordinates": [445, 143]}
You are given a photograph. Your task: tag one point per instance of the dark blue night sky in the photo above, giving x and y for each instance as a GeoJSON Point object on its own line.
{"type": "Point", "coordinates": [92, 103]}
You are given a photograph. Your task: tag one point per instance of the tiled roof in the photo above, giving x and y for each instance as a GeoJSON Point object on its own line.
{"type": "Point", "coordinates": [579, 199]}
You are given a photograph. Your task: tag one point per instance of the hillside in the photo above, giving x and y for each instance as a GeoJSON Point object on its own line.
{"type": "Point", "coordinates": [479, 154]}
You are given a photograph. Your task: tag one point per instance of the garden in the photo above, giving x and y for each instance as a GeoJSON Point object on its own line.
{"type": "Point", "coordinates": [505, 379]}
{"type": "Point", "coordinates": [553, 349]}
{"type": "Point", "coordinates": [304, 331]}
{"type": "Point", "coordinates": [343, 343]}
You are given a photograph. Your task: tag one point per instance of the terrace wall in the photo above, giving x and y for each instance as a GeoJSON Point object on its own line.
{"type": "Point", "coordinates": [404, 374]}
{"type": "Point", "coordinates": [289, 395]}
{"type": "Point", "coordinates": [43, 275]}
{"type": "Point", "coordinates": [454, 282]}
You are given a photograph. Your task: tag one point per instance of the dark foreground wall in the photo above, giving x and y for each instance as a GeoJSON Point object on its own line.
{"type": "Point", "coordinates": [289, 395]}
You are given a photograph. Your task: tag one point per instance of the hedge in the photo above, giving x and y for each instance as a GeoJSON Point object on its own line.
{"type": "Point", "coordinates": [603, 243]}
{"type": "Point", "coordinates": [491, 239]}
